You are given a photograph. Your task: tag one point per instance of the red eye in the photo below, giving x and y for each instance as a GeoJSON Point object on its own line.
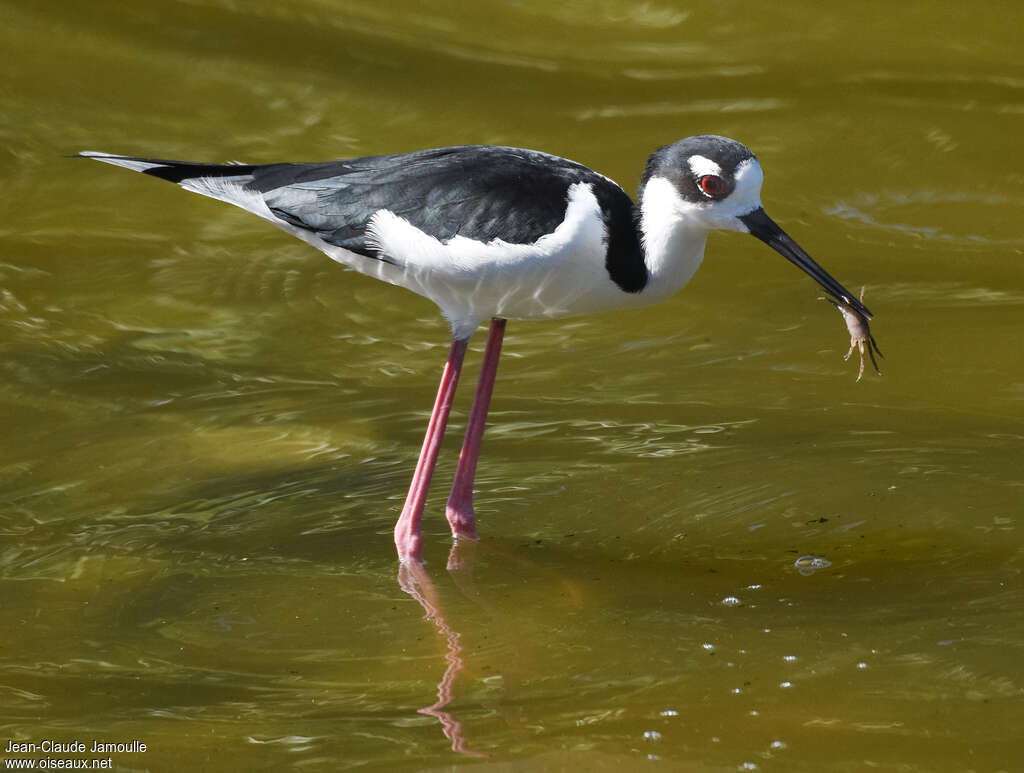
{"type": "Point", "coordinates": [713, 185]}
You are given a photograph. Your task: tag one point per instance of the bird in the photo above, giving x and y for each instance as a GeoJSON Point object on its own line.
{"type": "Point", "coordinates": [495, 233]}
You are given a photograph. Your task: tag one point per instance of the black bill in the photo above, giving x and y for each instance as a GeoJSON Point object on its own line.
{"type": "Point", "coordinates": [768, 231]}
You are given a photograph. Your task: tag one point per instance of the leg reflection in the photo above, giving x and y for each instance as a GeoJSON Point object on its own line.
{"type": "Point", "coordinates": [414, 580]}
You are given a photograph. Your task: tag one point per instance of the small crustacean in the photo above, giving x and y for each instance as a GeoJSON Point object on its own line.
{"type": "Point", "coordinates": [860, 333]}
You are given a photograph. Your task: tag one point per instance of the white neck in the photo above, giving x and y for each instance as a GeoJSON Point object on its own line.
{"type": "Point", "coordinates": [673, 239]}
{"type": "Point", "coordinates": [674, 231]}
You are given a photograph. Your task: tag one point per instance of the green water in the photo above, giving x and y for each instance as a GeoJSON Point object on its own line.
{"type": "Point", "coordinates": [209, 427]}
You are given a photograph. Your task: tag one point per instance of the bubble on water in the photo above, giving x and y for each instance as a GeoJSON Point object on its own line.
{"type": "Point", "coordinates": [749, 766]}
{"type": "Point", "coordinates": [736, 690]}
{"type": "Point", "coordinates": [755, 586]}
{"type": "Point", "coordinates": [862, 665]}
{"type": "Point", "coordinates": [789, 658]}
{"type": "Point", "coordinates": [708, 646]}
{"type": "Point", "coordinates": [785, 685]}
{"type": "Point", "coordinates": [731, 601]}
{"type": "Point", "coordinates": [754, 713]}
{"type": "Point", "coordinates": [652, 735]}
{"type": "Point", "coordinates": [653, 757]}
{"type": "Point", "coordinates": [777, 745]}
{"type": "Point", "coordinates": [669, 713]}
{"type": "Point", "coordinates": [808, 565]}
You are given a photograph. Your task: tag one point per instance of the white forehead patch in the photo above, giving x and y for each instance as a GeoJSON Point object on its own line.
{"type": "Point", "coordinates": [702, 165]}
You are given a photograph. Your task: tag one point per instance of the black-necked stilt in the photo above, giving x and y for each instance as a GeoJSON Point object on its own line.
{"type": "Point", "coordinates": [502, 233]}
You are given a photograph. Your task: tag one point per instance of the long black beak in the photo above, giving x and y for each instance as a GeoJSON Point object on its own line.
{"type": "Point", "coordinates": [768, 231]}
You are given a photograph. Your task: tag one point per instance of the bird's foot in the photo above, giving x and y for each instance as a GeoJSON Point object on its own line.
{"type": "Point", "coordinates": [408, 543]}
{"type": "Point", "coordinates": [462, 520]}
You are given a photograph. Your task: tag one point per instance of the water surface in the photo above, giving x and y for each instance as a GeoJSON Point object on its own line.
{"type": "Point", "coordinates": [706, 548]}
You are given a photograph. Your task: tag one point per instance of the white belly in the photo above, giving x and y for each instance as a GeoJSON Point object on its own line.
{"type": "Point", "coordinates": [561, 274]}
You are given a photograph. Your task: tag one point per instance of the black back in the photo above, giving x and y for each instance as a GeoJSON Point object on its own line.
{"type": "Point", "coordinates": [483, 192]}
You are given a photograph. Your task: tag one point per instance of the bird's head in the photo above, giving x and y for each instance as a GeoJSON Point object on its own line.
{"type": "Point", "coordinates": [713, 183]}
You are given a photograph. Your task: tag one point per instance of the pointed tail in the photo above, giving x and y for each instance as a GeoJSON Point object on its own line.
{"type": "Point", "coordinates": [173, 171]}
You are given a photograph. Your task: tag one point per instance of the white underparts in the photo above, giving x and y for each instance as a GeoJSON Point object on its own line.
{"type": "Point", "coordinates": [560, 274]}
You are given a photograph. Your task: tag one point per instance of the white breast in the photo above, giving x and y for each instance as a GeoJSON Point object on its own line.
{"type": "Point", "coordinates": [561, 274]}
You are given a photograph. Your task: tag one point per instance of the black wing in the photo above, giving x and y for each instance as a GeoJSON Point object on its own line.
{"type": "Point", "coordinates": [480, 192]}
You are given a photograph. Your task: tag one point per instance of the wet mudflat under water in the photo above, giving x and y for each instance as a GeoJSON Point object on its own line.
{"type": "Point", "coordinates": [706, 548]}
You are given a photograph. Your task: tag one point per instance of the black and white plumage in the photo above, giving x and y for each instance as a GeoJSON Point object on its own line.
{"type": "Point", "coordinates": [490, 232]}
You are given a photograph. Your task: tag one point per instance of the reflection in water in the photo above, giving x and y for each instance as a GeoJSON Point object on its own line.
{"type": "Point", "coordinates": [415, 580]}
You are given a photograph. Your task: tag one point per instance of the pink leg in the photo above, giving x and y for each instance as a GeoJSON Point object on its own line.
{"type": "Point", "coordinates": [408, 540]}
{"type": "Point", "coordinates": [460, 502]}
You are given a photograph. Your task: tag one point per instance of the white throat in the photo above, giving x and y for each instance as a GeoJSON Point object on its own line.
{"type": "Point", "coordinates": [672, 238]}
{"type": "Point", "coordinates": [674, 231]}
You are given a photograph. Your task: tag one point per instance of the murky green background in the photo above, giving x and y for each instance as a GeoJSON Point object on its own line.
{"type": "Point", "coordinates": [208, 427]}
